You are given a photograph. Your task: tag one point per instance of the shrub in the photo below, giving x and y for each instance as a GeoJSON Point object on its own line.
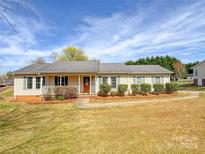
{"type": "Point", "coordinates": [113, 93]}
{"type": "Point", "coordinates": [172, 87]}
{"type": "Point", "coordinates": [60, 98]}
{"type": "Point", "coordinates": [58, 92]}
{"type": "Point", "coordinates": [146, 88]}
{"type": "Point", "coordinates": [158, 88]}
{"type": "Point", "coordinates": [122, 88]}
{"type": "Point", "coordinates": [104, 89]}
{"type": "Point", "coordinates": [71, 92]}
{"type": "Point", "coordinates": [48, 95]}
{"type": "Point", "coordinates": [136, 89]}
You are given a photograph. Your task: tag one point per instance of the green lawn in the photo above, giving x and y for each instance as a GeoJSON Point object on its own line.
{"type": "Point", "coordinates": [192, 87]}
{"type": "Point", "coordinates": [9, 92]}
{"type": "Point", "coordinates": [175, 127]}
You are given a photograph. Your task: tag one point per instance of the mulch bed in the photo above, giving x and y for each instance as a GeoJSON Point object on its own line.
{"type": "Point", "coordinates": [136, 96]}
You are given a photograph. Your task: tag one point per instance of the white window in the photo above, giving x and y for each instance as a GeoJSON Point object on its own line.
{"type": "Point", "coordinates": [158, 80]}
{"type": "Point", "coordinates": [138, 79]}
{"type": "Point", "coordinates": [105, 80]}
{"type": "Point", "coordinates": [196, 72]}
{"type": "Point", "coordinates": [114, 82]}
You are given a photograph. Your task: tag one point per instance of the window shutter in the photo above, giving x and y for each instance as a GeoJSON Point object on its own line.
{"type": "Point", "coordinates": [66, 80]}
{"type": "Point", "coordinates": [118, 80]}
{"type": "Point", "coordinates": [100, 80]}
{"type": "Point", "coordinates": [24, 83]}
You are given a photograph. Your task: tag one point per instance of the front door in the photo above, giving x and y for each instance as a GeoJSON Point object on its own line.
{"type": "Point", "coordinates": [86, 85]}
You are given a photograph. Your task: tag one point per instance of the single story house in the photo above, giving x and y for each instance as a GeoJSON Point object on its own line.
{"type": "Point", "coordinates": [199, 74]}
{"type": "Point", "coordinates": [86, 76]}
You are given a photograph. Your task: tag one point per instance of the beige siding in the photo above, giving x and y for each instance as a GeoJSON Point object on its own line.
{"type": "Point", "coordinates": [201, 73]}
{"type": "Point", "coordinates": [128, 79]}
{"type": "Point", "coordinates": [19, 87]}
{"type": "Point", "coordinates": [73, 80]}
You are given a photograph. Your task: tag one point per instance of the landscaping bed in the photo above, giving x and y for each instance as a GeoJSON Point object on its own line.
{"type": "Point", "coordinates": [100, 99]}
{"type": "Point", "coordinates": [54, 101]}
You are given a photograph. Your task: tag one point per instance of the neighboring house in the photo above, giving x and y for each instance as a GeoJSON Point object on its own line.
{"type": "Point", "coordinates": [199, 74]}
{"type": "Point", "coordinates": [86, 76]}
{"type": "Point", "coordinates": [7, 82]}
{"type": "Point", "coordinates": [190, 77]}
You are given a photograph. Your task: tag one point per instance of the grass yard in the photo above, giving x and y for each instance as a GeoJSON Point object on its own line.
{"type": "Point", "coordinates": [175, 127]}
{"type": "Point", "coordinates": [192, 87]}
{"type": "Point", "coordinates": [8, 92]}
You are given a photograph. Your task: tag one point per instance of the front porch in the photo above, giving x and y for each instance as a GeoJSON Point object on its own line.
{"type": "Point", "coordinates": [84, 83]}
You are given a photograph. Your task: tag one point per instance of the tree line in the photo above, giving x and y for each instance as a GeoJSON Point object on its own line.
{"type": "Point", "coordinates": [171, 63]}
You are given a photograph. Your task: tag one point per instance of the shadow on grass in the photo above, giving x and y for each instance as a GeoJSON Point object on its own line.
{"type": "Point", "coordinates": [42, 121]}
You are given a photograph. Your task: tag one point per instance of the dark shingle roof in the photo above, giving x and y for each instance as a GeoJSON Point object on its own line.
{"type": "Point", "coordinates": [91, 66]}
{"type": "Point", "coordinates": [113, 68]}
{"type": "Point", "coordinates": [144, 69]}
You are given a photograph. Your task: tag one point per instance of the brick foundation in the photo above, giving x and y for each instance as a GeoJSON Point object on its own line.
{"type": "Point", "coordinates": [28, 98]}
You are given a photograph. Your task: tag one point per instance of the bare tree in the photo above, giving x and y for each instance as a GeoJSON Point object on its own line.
{"type": "Point", "coordinates": [38, 60]}
{"type": "Point", "coordinates": [179, 70]}
{"type": "Point", "coordinates": [54, 56]}
{"type": "Point", "coordinates": [10, 8]}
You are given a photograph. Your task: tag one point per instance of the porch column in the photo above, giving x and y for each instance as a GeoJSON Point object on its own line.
{"type": "Point", "coordinates": [41, 85]}
{"type": "Point", "coordinates": [96, 84]}
{"type": "Point", "coordinates": [79, 84]}
{"type": "Point", "coordinates": [90, 84]}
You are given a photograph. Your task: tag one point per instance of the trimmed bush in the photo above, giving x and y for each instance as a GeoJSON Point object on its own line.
{"type": "Point", "coordinates": [71, 92]}
{"type": "Point", "coordinates": [104, 89]}
{"type": "Point", "coordinates": [60, 98]}
{"type": "Point", "coordinates": [172, 87]}
{"type": "Point", "coordinates": [136, 89]}
{"type": "Point", "coordinates": [58, 91]}
{"type": "Point", "coordinates": [158, 88]}
{"type": "Point", "coordinates": [113, 93]}
{"type": "Point", "coordinates": [146, 88]}
{"type": "Point", "coordinates": [122, 88]}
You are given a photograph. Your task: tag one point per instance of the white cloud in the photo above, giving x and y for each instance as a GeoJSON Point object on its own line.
{"type": "Point", "coordinates": [121, 37]}
{"type": "Point", "coordinates": [116, 38]}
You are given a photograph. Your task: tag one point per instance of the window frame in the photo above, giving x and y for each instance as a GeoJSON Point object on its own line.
{"type": "Point", "coordinates": [27, 82]}
{"type": "Point", "coordinates": [161, 79]}
{"type": "Point", "coordinates": [136, 81]}
{"type": "Point", "coordinates": [61, 81]}
{"type": "Point", "coordinates": [112, 81]}
{"type": "Point", "coordinates": [104, 77]}
{"type": "Point", "coordinates": [196, 72]}
{"type": "Point", "coordinates": [39, 82]}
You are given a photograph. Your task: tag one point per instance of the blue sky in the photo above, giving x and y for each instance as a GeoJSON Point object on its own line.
{"type": "Point", "coordinates": [108, 30]}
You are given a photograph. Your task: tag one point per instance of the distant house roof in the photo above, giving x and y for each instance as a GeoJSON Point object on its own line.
{"type": "Point", "coordinates": [7, 82]}
{"type": "Point", "coordinates": [91, 66]}
{"type": "Point", "coordinates": [199, 64]}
